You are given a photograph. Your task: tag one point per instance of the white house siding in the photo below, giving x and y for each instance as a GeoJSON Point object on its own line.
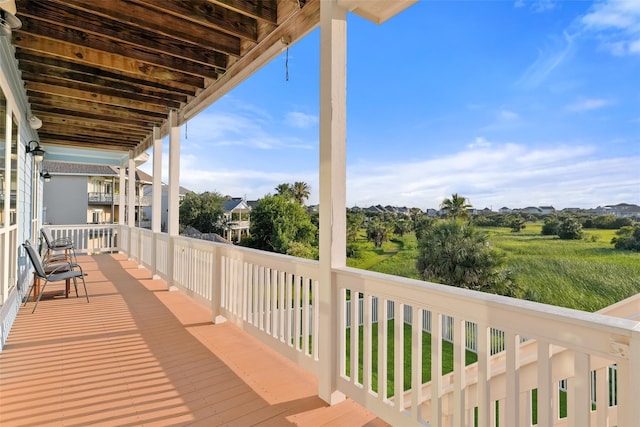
{"type": "Point", "coordinates": [14, 267]}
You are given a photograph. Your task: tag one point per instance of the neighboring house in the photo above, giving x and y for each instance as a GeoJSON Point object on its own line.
{"type": "Point", "coordinates": [87, 194]}
{"type": "Point", "coordinates": [547, 210]}
{"type": "Point", "coordinates": [164, 201]}
{"type": "Point", "coordinates": [237, 217]}
{"type": "Point", "coordinates": [624, 210]}
{"type": "Point", "coordinates": [531, 210]}
{"type": "Point", "coordinates": [504, 210]}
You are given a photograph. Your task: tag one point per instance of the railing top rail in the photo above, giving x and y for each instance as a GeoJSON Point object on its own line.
{"type": "Point", "coordinates": [558, 325]}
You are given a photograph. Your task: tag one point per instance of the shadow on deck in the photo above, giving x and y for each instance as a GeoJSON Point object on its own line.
{"type": "Point", "coordinates": [140, 355]}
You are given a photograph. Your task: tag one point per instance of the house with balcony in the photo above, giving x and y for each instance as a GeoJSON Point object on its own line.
{"type": "Point", "coordinates": [237, 214]}
{"type": "Point", "coordinates": [77, 193]}
{"type": "Point", "coordinates": [185, 331]}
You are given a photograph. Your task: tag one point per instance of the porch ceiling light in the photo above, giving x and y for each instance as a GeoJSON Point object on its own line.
{"type": "Point", "coordinates": [45, 175]}
{"type": "Point", "coordinates": [35, 150]}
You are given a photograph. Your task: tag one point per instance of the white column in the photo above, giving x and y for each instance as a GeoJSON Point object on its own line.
{"type": "Point", "coordinates": [333, 70]}
{"type": "Point", "coordinates": [131, 197]}
{"type": "Point", "coordinates": [174, 175]}
{"type": "Point", "coordinates": [156, 203]}
{"type": "Point", "coordinates": [122, 199]}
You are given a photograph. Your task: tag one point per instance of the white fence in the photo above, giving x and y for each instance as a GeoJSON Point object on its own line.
{"type": "Point", "coordinates": [589, 360]}
{"type": "Point", "coordinates": [88, 239]}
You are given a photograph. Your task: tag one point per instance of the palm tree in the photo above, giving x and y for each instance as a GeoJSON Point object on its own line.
{"type": "Point", "coordinates": [284, 190]}
{"type": "Point", "coordinates": [300, 191]}
{"type": "Point", "coordinates": [455, 207]}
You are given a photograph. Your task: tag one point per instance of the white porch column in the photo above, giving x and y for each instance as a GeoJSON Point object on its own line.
{"type": "Point", "coordinates": [174, 175]}
{"type": "Point", "coordinates": [131, 196]}
{"type": "Point", "coordinates": [122, 199]}
{"type": "Point", "coordinates": [156, 203]}
{"type": "Point", "coordinates": [333, 26]}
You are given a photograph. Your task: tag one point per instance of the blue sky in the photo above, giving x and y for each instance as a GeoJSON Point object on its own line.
{"type": "Point", "coordinates": [508, 103]}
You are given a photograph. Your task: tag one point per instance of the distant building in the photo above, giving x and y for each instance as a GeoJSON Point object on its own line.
{"type": "Point", "coordinates": [237, 215]}
{"type": "Point", "coordinates": [88, 194]}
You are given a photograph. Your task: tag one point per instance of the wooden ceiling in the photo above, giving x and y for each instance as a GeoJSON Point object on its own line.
{"type": "Point", "coordinates": [101, 74]}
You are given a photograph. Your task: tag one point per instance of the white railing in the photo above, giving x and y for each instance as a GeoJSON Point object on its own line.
{"type": "Point", "coordinates": [89, 238]}
{"type": "Point", "coordinates": [594, 358]}
{"type": "Point", "coordinates": [565, 344]}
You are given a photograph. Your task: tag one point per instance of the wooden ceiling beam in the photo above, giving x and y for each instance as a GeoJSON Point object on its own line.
{"type": "Point", "coordinates": [61, 140]}
{"type": "Point", "coordinates": [71, 93]}
{"type": "Point", "coordinates": [119, 32]}
{"type": "Point", "coordinates": [210, 15]}
{"type": "Point", "coordinates": [32, 75]}
{"type": "Point", "coordinates": [74, 71]}
{"type": "Point", "coordinates": [94, 49]}
{"type": "Point", "coordinates": [159, 22]}
{"type": "Point", "coordinates": [55, 101]}
{"type": "Point", "coordinates": [131, 138]}
{"type": "Point", "coordinates": [104, 94]}
{"type": "Point", "coordinates": [54, 119]}
{"type": "Point", "coordinates": [44, 111]}
{"type": "Point", "coordinates": [264, 10]}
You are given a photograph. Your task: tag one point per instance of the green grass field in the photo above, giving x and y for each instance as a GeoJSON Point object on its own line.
{"type": "Point", "coordinates": [585, 274]}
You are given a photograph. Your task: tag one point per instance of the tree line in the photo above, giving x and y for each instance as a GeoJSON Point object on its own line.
{"type": "Point", "coordinates": [451, 250]}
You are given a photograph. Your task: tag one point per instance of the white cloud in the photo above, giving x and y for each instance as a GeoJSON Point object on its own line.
{"type": "Point", "coordinates": [497, 175]}
{"type": "Point", "coordinates": [616, 23]}
{"type": "Point", "coordinates": [508, 115]}
{"type": "Point", "coordinates": [479, 142]}
{"type": "Point", "coordinates": [301, 120]}
{"type": "Point", "coordinates": [536, 5]}
{"type": "Point", "coordinates": [588, 104]}
{"type": "Point", "coordinates": [547, 61]}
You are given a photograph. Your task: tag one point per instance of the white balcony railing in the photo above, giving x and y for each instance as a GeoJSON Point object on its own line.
{"type": "Point", "coordinates": [590, 361]}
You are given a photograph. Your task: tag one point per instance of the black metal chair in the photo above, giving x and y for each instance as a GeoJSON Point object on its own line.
{"type": "Point", "coordinates": [53, 273]}
{"type": "Point", "coordinates": [52, 246]}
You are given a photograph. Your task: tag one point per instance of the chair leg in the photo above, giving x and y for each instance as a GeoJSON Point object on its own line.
{"type": "Point", "coordinates": [39, 296]}
{"type": "Point", "coordinates": [75, 285]}
{"type": "Point", "coordinates": [86, 294]}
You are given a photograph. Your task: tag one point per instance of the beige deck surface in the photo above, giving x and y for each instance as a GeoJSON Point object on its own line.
{"type": "Point", "coordinates": [139, 355]}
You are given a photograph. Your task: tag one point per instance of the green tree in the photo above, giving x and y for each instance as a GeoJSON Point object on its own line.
{"type": "Point", "coordinates": [516, 223]}
{"type": "Point", "coordinates": [204, 212]}
{"type": "Point", "coordinates": [455, 207]}
{"type": "Point", "coordinates": [377, 232]}
{"type": "Point", "coordinates": [628, 238]}
{"type": "Point", "coordinates": [570, 229]}
{"type": "Point", "coordinates": [402, 226]}
{"type": "Point", "coordinates": [300, 191]}
{"type": "Point", "coordinates": [284, 190]}
{"type": "Point", "coordinates": [278, 224]}
{"type": "Point", "coordinates": [455, 253]}
{"type": "Point", "coordinates": [550, 226]}
{"type": "Point", "coordinates": [422, 224]}
{"type": "Point", "coordinates": [355, 220]}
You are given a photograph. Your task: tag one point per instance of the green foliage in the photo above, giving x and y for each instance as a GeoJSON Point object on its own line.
{"type": "Point", "coordinates": [204, 212]}
{"type": "Point", "coordinates": [628, 238]}
{"type": "Point", "coordinates": [355, 220]}
{"type": "Point", "coordinates": [570, 229]}
{"type": "Point", "coordinates": [401, 227]}
{"type": "Point", "coordinates": [551, 226]}
{"type": "Point", "coordinates": [422, 224]}
{"type": "Point", "coordinates": [516, 223]}
{"type": "Point", "coordinates": [606, 222]}
{"type": "Point", "coordinates": [277, 222]}
{"type": "Point", "coordinates": [455, 253]}
{"type": "Point", "coordinates": [377, 232]}
{"type": "Point", "coordinates": [455, 207]}
{"type": "Point", "coordinates": [298, 191]}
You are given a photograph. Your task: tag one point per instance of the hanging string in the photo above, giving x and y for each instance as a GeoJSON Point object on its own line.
{"type": "Point", "coordinates": [186, 124]}
{"type": "Point", "coordinates": [286, 65]}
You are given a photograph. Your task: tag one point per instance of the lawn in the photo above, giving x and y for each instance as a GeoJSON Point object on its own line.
{"type": "Point", "coordinates": [586, 274]}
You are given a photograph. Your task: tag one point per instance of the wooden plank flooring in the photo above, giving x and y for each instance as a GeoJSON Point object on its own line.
{"type": "Point", "coordinates": [138, 355]}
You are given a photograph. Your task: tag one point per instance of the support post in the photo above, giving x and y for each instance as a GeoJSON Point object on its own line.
{"type": "Point", "coordinates": [131, 208]}
{"type": "Point", "coordinates": [333, 25]}
{"type": "Point", "coordinates": [174, 191]}
{"type": "Point", "coordinates": [156, 196]}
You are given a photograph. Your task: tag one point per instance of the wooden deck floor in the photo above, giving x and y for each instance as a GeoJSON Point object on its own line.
{"type": "Point", "coordinates": [140, 355]}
